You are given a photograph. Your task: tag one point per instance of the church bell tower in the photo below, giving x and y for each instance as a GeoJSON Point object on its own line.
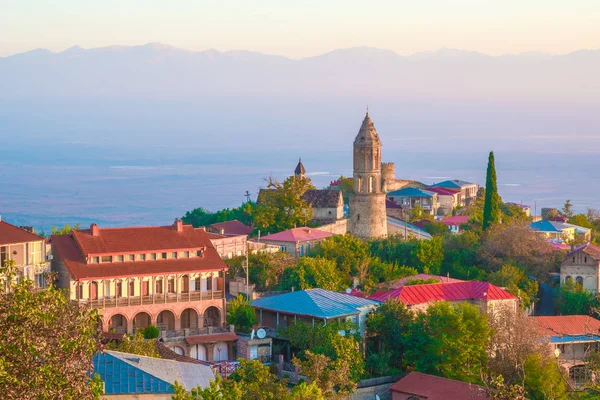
{"type": "Point", "coordinates": [367, 205]}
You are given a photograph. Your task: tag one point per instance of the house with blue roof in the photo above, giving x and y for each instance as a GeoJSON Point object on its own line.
{"type": "Point", "coordinates": [134, 375]}
{"type": "Point", "coordinates": [558, 232]}
{"type": "Point", "coordinates": [468, 190]}
{"type": "Point", "coordinates": [410, 198]}
{"type": "Point", "coordinates": [312, 306]}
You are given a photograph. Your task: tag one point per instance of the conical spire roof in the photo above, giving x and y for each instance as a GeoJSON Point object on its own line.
{"type": "Point", "coordinates": [367, 135]}
{"type": "Point", "coordinates": [300, 168]}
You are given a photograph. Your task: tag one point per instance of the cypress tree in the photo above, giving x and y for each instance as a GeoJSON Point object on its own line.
{"type": "Point", "coordinates": [491, 208]}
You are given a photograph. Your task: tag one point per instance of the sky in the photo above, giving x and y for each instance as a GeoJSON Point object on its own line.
{"type": "Point", "coordinates": [304, 28]}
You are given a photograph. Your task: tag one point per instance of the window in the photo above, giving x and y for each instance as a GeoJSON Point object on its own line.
{"type": "Point", "coordinates": [131, 288]}
{"type": "Point", "coordinates": [107, 289]}
{"type": "Point", "coordinates": [197, 283]}
{"type": "Point", "coordinates": [159, 287]}
{"type": "Point", "coordinates": [282, 248]}
{"type": "Point", "coordinates": [131, 257]}
{"type": "Point", "coordinates": [359, 186]}
{"type": "Point", "coordinates": [371, 184]}
{"type": "Point", "coordinates": [153, 256]}
{"type": "Point", "coordinates": [579, 280]}
{"type": "Point", "coordinates": [171, 285]}
{"type": "Point", "coordinates": [106, 259]}
{"type": "Point", "coordinates": [584, 259]}
{"type": "Point", "coordinates": [142, 257]}
{"type": "Point", "coordinates": [186, 254]}
{"type": "Point", "coordinates": [40, 280]}
{"type": "Point", "coordinates": [119, 259]}
{"type": "Point", "coordinates": [301, 251]}
{"type": "Point", "coordinates": [3, 255]}
{"type": "Point", "coordinates": [80, 294]}
{"type": "Point", "coordinates": [199, 253]}
{"type": "Point", "coordinates": [95, 260]}
{"type": "Point", "coordinates": [162, 256]}
{"type": "Point", "coordinates": [174, 254]}
{"type": "Point", "coordinates": [573, 259]}
{"type": "Point", "coordinates": [119, 289]}
{"type": "Point", "coordinates": [209, 282]}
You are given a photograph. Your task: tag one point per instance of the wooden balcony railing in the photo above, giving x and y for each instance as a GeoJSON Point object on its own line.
{"type": "Point", "coordinates": [107, 302]}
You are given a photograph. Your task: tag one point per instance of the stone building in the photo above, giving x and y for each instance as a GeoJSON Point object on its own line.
{"type": "Point", "coordinates": [582, 265]}
{"type": "Point", "coordinates": [168, 276]}
{"type": "Point", "coordinates": [367, 203]}
{"type": "Point", "coordinates": [327, 204]}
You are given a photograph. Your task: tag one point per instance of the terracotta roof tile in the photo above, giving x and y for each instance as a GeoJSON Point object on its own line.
{"type": "Point", "coordinates": [432, 387]}
{"type": "Point", "coordinates": [10, 234]}
{"type": "Point", "coordinates": [570, 325]}
{"type": "Point", "coordinates": [231, 228]}
{"type": "Point", "coordinates": [68, 249]}
{"type": "Point", "coordinates": [452, 291]}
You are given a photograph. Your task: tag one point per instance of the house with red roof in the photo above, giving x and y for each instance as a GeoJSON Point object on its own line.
{"type": "Point", "coordinates": [486, 296]}
{"type": "Point", "coordinates": [27, 250]}
{"type": "Point", "coordinates": [168, 276]}
{"type": "Point", "coordinates": [419, 277]}
{"type": "Point", "coordinates": [296, 241]}
{"type": "Point", "coordinates": [419, 386]}
{"type": "Point", "coordinates": [230, 228]}
{"type": "Point", "coordinates": [448, 198]}
{"type": "Point", "coordinates": [455, 223]}
{"type": "Point", "coordinates": [582, 265]}
{"type": "Point", "coordinates": [571, 338]}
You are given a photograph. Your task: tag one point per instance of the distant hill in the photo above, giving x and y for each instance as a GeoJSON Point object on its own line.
{"type": "Point", "coordinates": [163, 71]}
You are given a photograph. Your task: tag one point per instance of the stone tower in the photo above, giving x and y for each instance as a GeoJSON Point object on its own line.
{"type": "Point", "coordinates": [388, 175]}
{"type": "Point", "coordinates": [367, 204]}
{"type": "Point", "coordinates": [300, 171]}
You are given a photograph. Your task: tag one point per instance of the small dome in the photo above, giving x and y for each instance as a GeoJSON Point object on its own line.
{"type": "Point", "coordinates": [367, 135]}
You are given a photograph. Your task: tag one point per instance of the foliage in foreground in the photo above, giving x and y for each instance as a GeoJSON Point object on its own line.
{"type": "Point", "coordinates": [46, 343]}
{"type": "Point", "coordinates": [136, 344]}
{"type": "Point", "coordinates": [241, 314]}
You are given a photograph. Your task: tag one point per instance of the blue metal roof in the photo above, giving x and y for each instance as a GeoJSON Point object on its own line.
{"type": "Point", "coordinates": [319, 303]}
{"type": "Point", "coordinates": [576, 338]}
{"type": "Point", "coordinates": [453, 183]}
{"type": "Point", "coordinates": [546, 226]}
{"type": "Point", "coordinates": [125, 373]}
{"type": "Point", "coordinates": [411, 192]}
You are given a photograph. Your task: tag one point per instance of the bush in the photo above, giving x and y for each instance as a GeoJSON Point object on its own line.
{"type": "Point", "coordinates": [151, 332]}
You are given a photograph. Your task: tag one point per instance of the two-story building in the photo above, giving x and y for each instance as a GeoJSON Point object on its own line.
{"type": "Point", "coordinates": [327, 204]}
{"type": "Point", "coordinates": [27, 250]}
{"type": "Point", "coordinates": [168, 276]}
{"type": "Point", "coordinates": [296, 241]}
{"type": "Point", "coordinates": [468, 190]}
{"type": "Point", "coordinates": [455, 223]}
{"type": "Point", "coordinates": [410, 198]}
{"type": "Point", "coordinates": [561, 232]}
{"type": "Point", "coordinates": [571, 338]}
{"type": "Point", "coordinates": [582, 265]}
{"type": "Point", "coordinates": [448, 198]}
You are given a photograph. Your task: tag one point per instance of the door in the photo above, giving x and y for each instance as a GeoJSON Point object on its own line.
{"type": "Point", "coordinates": [94, 291]}
{"type": "Point", "coordinates": [145, 288]}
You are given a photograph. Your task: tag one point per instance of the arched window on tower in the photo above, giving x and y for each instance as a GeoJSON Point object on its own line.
{"type": "Point", "coordinates": [359, 186]}
{"type": "Point", "coordinates": [370, 184]}
{"type": "Point", "coordinates": [579, 280]}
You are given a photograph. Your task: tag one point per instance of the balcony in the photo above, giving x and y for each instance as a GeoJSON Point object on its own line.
{"type": "Point", "coordinates": [107, 302]}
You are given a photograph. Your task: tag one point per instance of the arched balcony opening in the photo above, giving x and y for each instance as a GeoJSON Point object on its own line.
{"type": "Point", "coordinates": [189, 319]}
{"type": "Point", "coordinates": [166, 321]}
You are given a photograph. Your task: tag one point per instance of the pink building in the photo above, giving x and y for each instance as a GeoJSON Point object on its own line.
{"type": "Point", "coordinates": [168, 276]}
{"type": "Point", "coordinates": [296, 241]}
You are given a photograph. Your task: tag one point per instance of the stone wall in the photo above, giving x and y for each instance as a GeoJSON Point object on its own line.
{"type": "Point", "coordinates": [368, 215]}
{"type": "Point", "coordinates": [339, 227]}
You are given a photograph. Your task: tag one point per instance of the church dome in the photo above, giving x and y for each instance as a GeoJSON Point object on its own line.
{"type": "Point", "coordinates": [367, 135]}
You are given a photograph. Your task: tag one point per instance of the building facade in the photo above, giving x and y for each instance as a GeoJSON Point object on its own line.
{"type": "Point", "coordinates": [327, 204]}
{"type": "Point", "coordinates": [27, 250]}
{"type": "Point", "coordinates": [367, 203]}
{"type": "Point", "coordinates": [582, 265]}
{"type": "Point", "coordinates": [410, 198]}
{"type": "Point", "coordinates": [296, 241]}
{"type": "Point", "coordinates": [168, 276]}
{"type": "Point", "coordinates": [468, 190]}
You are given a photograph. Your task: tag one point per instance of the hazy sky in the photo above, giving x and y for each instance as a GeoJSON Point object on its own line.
{"type": "Point", "coordinates": [304, 27]}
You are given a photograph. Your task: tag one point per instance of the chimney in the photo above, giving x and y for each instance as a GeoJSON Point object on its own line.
{"type": "Point", "coordinates": [222, 231]}
{"type": "Point", "coordinates": [447, 276]}
{"type": "Point", "coordinates": [178, 225]}
{"type": "Point", "coordinates": [95, 230]}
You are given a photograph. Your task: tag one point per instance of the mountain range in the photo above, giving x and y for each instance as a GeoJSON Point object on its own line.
{"type": "Point", "coordinates": [161, 71]}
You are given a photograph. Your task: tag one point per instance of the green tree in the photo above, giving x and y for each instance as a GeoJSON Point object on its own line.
{"type": "Point", "coordinates": [315, 272]}
{"type": "Point", "coordinates": [387, 328]}
{"type": "Point", "coordinates": [151, 332]}
{"type": "Point", "coordinates": [435, 228]}
{"type": "Point", "coordinates": [491, 208]}
{"type": "Point", "coordinates": [516, 282]}
{"type": "Point", "coordinates": [307, 391]}
{"type": "Point", "coordinates": [543, 378]}
{"type": "Point", "coordinates": [65, 230]}
{"type": "Point", "coordinates": [218, 389]}
{"type": "Point", "coordinates": [241, 314]}
{"type": "Point", "coordinates": [135, 344]}
{"type": "Point", "coordinates": [567, 210]}
{"type": "Point", "coordinates": [257, 382]}
{"type": "Point", "coordinates": [450, 341]}
{"type": "Point", "coordinates": [573, 299]}
{"type": "Point", "coordinates": [428, 255]}
{"type": "Point", "coordinates": [326, 375]}
{"type": "Point", "coordinates": [282, 207]}
{"type": "Point", "coordinates": [201, 217]}
{"type": "Point", "coordinates": [347, 251]}
{"type": "Point", "coordinates": [46, 342]}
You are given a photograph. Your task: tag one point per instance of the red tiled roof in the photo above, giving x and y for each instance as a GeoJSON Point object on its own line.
{"type": "Point", "coordinates": [67, 249]}
{"type": "Point", "coordinates": [453, 291]}
{"type": "Point", "coordinates": [298, 235]}
{"type": "Point", "coordinates": [570, 325]}
{"type": "Point", "coordinates": [443, 191]}
{"type": "Point", "coordinates": [588, 248]}
{"type": "Point", "coordinates": [433, 387]}
{"type": "Point", "coordinates": [140, 239]}
{"type": "Point", "coordinates": [10, 234]}
{"type": "Point", "coordinates": [232, 228]}
{"type": "Point", "coordinates": [355, 292]}
{"type": "Point", "coordinates": [217, 337]}
{"type": "Point", "coordinates": [456, 220]}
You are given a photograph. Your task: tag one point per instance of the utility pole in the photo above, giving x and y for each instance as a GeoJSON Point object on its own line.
{"type": "Point", "coordinates": [247, 194]}
{"type": "Point", "coordinates": [247, 271]}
